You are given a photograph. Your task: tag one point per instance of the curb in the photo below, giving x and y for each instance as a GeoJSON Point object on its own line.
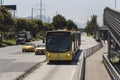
{"type": "Point", "coordinates": [27, 72]}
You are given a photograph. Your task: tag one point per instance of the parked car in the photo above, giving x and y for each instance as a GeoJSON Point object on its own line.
{"type": "Point", "coordinates": [40, 49]}
{"type": "Point", "coordinates": [28, 47]}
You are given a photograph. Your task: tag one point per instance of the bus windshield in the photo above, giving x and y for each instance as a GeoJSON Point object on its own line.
{"type": "Point", "coordinates": [58, 43]}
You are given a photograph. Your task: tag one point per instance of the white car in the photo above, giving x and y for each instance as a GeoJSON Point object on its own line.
{"type": "Point", "coordinates": [40, 49]}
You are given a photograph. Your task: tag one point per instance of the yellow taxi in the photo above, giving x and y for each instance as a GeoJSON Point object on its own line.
{"type": "Point", "coordinates": [28, 47]}
{"type": "Point", "coordinates": [40, 49]}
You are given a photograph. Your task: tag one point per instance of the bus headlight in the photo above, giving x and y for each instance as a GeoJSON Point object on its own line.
{"type": "Point", "coordinates": [68, 55]}
{"type": "Point", "coordinates": [48, 55]}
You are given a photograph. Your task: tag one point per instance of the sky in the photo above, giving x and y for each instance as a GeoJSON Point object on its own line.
{"type": "Point", "coordinates": [77, 10]}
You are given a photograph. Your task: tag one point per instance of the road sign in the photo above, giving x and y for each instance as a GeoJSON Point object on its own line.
{"type": "Point", "coordinates": [10, 7]}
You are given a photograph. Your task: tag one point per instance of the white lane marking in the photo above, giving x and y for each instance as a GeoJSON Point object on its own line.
{"type": "Point", "coordinates": [73, 71]}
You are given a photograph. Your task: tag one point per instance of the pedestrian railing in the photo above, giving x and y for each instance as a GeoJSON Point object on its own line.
{"type": "Point", "coordinates": [112, 71]}
{"type": "Point", "coordinates": [111, 19]}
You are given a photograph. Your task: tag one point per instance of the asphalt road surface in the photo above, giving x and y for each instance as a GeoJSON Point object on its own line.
{"type": "Point", "coordinates": [14, 63]}
{"type": "Point", "coordinates": [56, 70]}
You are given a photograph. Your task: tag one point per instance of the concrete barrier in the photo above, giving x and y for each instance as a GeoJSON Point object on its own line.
{"type": "Point", "coordinates": [86, 53]}
{"type": "Point", "coordinates": [92, 50]}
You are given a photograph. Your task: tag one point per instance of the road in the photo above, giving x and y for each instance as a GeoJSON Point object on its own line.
{"type": "Point", "coordinates": [14, 63]}
{"type": "Point", "coordinates": [61, 70]}
{"type": "Point", "coordinates": [55, 71]}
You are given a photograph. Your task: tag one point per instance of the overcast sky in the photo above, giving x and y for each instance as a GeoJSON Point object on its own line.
{"type": "Point", "coordinates": [77, 10]}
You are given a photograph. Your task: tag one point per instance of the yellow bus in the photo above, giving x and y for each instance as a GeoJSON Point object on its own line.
{"type": "Point", "coordinates": [62, 45]}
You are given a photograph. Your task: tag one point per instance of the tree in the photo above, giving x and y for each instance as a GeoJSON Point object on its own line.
{"type": "Point", "coordinates": [75, 27]}
{"type": "Point", "coordinates": [92, 25]}
{"type": "Point", "coordinates": [45, 28]}
{"type": "Point", "coordinates": [32, 27]}
{"type": "Point", "coordinates": [71, 25]}
{"type": "Point", "coordinates": [59, 22]}
{"type": "Point", "coordinates": [21, 24]}
{"type": "Point", "coordinates": [6, 21]}
{"type": "Point", "coordinates": [39, 25]}
{"type": "Point", "coordinates": [51, 27]}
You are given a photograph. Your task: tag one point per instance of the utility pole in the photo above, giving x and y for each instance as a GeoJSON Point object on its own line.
{"type": "Point", "coordinates": [48, 19]}
{"type": "Point", "coordinates": [40, 9]}
{"type": "Point", "coordinates": [1, 2]}
{"type": "Point", "coordinates": [14, 13]}
{"type": "Point", "coordinates": [32, 13]}
{"type": "Point", "coordinates": [115, 3]}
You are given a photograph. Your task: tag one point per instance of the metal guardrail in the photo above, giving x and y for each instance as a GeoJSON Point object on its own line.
{"type": "Point", "coordinates": [85, 54]}
{"type": "Point", "coordinates": [113, 73]}
{"type": "Point", "coordinates": [112, 21]}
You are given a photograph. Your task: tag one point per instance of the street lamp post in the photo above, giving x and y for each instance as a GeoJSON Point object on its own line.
{"type": "Point", "coordinates": [115, 3]}
{"type": "Point", "coordinates": [1, 2]}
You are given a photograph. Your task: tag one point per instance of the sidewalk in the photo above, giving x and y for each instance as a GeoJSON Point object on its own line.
{"type": "Point", "coordinates": [87, 42]}
{"type": "Point", "coordinates": [95, 69]}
